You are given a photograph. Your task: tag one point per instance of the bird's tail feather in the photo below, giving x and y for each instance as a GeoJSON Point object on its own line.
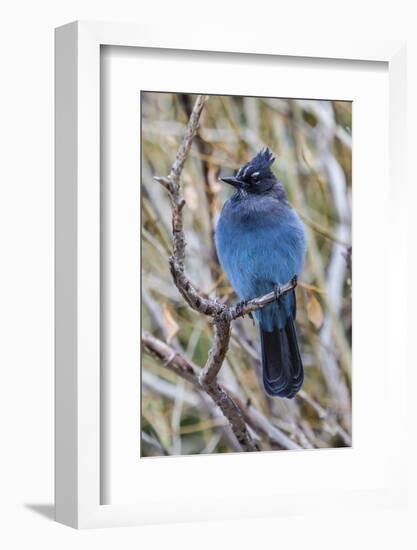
{"type": "Point", "coordinates": [282, 367]}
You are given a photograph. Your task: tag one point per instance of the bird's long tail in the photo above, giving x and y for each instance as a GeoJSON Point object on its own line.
{"type": "Point", "coordinates": [282, 367]}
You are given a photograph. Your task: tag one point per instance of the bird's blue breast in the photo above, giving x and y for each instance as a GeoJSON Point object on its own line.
{"type": "Point", "coordinates": [261, 243]}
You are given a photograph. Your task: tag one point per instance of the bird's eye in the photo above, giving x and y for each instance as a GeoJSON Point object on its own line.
{"type": "Point", "coordinates": [255, 176]}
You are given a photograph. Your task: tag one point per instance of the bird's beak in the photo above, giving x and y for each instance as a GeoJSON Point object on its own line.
{"type": "Point", "coordinates": [233, 181]}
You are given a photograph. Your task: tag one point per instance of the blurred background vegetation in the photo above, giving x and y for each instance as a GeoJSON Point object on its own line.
{"type": "Point", "coordinates": [312, 140]}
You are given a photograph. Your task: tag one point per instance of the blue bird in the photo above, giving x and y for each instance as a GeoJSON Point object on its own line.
{"type": "Point", "coordinates": [261, 245]}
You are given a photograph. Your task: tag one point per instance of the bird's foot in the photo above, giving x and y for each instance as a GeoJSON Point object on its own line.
{"type": "Point", "coordinates": [277, 292]}
{"type": "Point", "coordinates": [294, 280]}
{"type": "Point", "coordinates": [240, 306]}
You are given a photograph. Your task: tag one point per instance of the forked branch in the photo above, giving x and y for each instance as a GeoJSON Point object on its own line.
{"type": "Point", "coordinates": [222, 314]}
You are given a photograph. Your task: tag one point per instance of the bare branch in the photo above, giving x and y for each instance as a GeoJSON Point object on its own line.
{"type": "Point", "coordinates": [170, 358]}
{"type": "Point", "coordinates": [234, 312]}
{"type": "Point", "coordinates": [172, 182]}
{"type": "Point", "coordinates": [217, 353]}
{"type": "Point", "coordinates": [223, 315]}
{"type": "Point", "coordinates": [233, 414]}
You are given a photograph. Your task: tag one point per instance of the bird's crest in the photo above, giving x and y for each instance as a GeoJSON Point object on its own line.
{"type": "Point", "coordinates": [260, 165]}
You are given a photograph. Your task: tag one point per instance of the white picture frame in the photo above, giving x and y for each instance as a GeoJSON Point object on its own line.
{"type": "Point", "coordinates": [78, 479]}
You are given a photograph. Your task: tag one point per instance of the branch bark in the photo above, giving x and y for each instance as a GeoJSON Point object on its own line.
{"type": "Point", "coordinates": [223, 315]}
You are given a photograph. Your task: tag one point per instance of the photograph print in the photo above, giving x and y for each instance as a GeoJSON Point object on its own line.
{"type": "Point", "coordinates": [246, 274]}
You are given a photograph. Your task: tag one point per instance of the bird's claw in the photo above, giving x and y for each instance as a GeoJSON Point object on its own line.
{"type": "Point", "coordinates": [294, 280]}
{"type": "Point", "coordinates": [277, 292]}
{"type": "Point", "coordinates": [240, 307]}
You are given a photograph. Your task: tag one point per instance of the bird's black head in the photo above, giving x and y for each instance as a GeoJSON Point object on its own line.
{"type": "Point", "coordinates": [256, 175]}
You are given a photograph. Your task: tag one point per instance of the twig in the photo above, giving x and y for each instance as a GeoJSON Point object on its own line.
{"type": "Point", "coordinates": [208, 381]}
{"type": "Point", "coordinates": [217, 353]}
{"type": "Point", "coordinates": [210, 174]}
{"type": "Point", "coordinates": [233, 312]}
{"type": "Point", "coordinates": [172, 182]}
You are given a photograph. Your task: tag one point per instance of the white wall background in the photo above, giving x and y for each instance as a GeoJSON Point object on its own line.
{"type": "Point", "coordinates": [26, 269]}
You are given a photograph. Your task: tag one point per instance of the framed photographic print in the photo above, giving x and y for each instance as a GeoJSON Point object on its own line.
{"type": "Point", "coordinates": [220, 346]}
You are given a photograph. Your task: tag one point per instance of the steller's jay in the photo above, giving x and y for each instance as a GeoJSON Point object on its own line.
{"type": "Point", "coordinates": [261, 245]}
